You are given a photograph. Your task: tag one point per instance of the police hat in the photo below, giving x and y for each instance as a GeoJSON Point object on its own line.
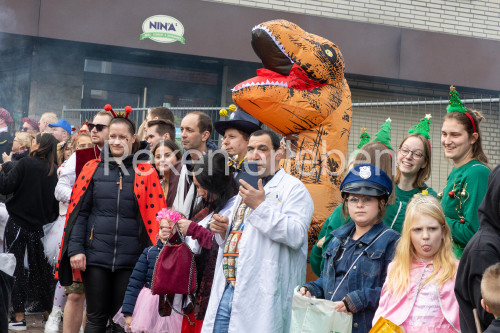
{"type": "Point", "coordinates": [367, 179]}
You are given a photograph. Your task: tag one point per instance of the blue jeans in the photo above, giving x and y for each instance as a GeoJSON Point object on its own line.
{"type": "Point", "coordinates": [221, 324]}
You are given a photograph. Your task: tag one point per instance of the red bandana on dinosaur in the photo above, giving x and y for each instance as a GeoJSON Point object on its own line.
{"type": "Point", "coordinates": [150, 199]}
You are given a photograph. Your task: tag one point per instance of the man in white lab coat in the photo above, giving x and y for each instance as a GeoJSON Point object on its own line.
{"type": "Point", "coordinates": [264, 256]}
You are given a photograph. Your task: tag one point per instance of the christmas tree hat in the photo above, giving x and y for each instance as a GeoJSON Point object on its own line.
{"type": "Point", "coordinates": [365, 138]}
{"type": "Point", "coordinates": [422, 127]}
{"type": "Point", "coordinates": [384, 135]}
{"type": "Point", "coordinates": [455, 104]}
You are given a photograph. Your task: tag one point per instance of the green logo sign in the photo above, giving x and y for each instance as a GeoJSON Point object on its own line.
{"type": "Point", "coordinates": [163, 29]}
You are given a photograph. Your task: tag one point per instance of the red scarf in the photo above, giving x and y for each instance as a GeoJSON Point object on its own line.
{"type": "Point", "coordinates": [147, 190]}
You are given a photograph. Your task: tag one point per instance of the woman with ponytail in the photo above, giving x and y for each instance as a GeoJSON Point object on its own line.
{"type": "Point", "coordinates": [467, 181]}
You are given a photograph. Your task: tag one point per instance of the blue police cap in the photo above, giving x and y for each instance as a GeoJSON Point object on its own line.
{"type": "Point", "coordinates": [367, 179]}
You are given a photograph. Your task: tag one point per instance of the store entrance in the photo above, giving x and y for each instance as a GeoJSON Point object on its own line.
{"type": "Point", "coordinates": [140, 85]}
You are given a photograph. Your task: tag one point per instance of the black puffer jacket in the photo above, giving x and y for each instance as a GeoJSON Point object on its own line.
{"type": "Point", "coordinates": [109, 229]}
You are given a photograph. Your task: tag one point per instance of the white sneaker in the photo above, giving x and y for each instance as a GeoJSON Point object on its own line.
{"type": "Point", "coordinates": [17, 325]}
{"type": "Point", "coordinates": [52, 324]}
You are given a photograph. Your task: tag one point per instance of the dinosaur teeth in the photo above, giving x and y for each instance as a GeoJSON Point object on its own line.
{"type": "Point", "coordinates": [260, 83]}
{"type": "Point", "coordinates": [278, 44]}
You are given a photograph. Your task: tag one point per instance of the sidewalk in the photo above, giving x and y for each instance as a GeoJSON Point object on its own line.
{"type": "Point", "coordinates": [34, 324]}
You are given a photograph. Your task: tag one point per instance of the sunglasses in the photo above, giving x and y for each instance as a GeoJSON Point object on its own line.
{"type": "Point", "coordinates": [24, 129]}
{"type": "Point", "coordinates": [98, 127]}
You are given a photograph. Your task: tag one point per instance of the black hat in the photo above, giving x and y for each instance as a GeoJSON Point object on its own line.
{"type": "Point", "coordinates": [240, 120]}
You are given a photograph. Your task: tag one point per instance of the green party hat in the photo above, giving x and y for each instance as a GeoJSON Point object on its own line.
{"type": "Point", "coordinates": [455, 104]}
{"type": "Point", "coordinates": [365, 138]}
{"type": "Point", "coordinates": [422, 127]}
{"type": "Point", "coordinates": [384, 135]}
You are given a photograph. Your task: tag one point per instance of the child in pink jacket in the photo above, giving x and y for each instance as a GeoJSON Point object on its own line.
{"type": "Point", "coordinates": [418, 293]}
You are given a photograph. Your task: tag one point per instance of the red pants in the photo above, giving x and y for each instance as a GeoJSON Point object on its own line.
{"type": "Point", "coordinates": [196, 328]}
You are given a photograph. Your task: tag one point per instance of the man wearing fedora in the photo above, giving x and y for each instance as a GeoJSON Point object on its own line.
{"type": "Point", "coordinates": [236, 133]}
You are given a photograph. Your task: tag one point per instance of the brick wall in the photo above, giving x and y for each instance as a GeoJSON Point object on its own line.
{"type": "Point", "coordinates": [473, 18]}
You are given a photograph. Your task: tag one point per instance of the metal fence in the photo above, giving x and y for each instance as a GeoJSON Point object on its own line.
{"type": "Point", "coordinates": [78, 116]}
{"type": "Point", "coordinates": [408, 112]}
{"type": "Point", "coordinates": [404, 113]}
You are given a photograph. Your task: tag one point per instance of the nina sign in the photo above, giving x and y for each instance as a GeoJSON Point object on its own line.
{"type": "Point", "coordinates": [163, 29]}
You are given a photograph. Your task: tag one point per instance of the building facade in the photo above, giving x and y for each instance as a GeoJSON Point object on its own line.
{"type": "Point", "coordinates": [84, 54]}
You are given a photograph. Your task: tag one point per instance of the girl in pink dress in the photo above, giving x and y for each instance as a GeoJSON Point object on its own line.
{"type": "Point", "coordinates": [139, 312]}
{"type": "Point", "coordinates": [418, 293]}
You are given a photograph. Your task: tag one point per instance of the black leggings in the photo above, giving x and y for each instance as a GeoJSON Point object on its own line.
{"type": "Point", "coordinates": [17, 240]}
{"type": "Point", "coordinates": [104, 292]}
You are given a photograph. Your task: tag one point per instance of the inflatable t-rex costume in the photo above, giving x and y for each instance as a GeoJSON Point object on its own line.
{"type": "Point", "coordinates": [302, 94]}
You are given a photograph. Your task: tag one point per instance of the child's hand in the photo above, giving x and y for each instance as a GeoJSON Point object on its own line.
{"type": "Point", "coordinates": [305, 292]}
{"type": "Point", "coordinates": [219, 225]}
{"type": "Point", "coordinates": [321, 242]}
{"type": "Point", "coordinates": [183, 225]}
{"type": "Point", "coordinates": [128, 321]}
{"type": "Point", "coordinates": [340, 307]}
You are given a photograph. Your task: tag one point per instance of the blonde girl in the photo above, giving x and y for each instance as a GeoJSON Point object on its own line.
{"type": "Point", "coordinates": [63, 151]}
{"type": "Point", "coordinates": [418, 293]}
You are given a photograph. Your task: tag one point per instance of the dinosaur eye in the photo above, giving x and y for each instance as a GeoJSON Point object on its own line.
{"type": "Point", "coordinates": [329, 53]}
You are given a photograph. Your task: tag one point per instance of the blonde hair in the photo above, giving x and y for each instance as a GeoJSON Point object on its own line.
{"type": "Point", "coordinates": [61, 147]}
{"type": "Point", "coordinates": [25, 139]}
{"type": "Point", "coordinates": [424, 173]}
{"type": "Point", "coordinates": [49, 117]}
{"type": "Point", "coordinates": [398, 279]}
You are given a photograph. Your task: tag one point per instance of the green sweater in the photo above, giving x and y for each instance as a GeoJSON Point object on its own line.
{"type": "Point", "coordinates": [468, 184]}
{"type": "Point", "coordinates": [394, 218]}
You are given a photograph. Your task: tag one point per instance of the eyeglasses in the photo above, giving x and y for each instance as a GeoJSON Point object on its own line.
{"type": "Point", "coordinates": [24, 129]}
{"type": "Point", "coordinates": [416, 154]}
{"type": "Point", "coordinates": [98, 127]}
{"type": "Point", "coordinates": [364, 200]}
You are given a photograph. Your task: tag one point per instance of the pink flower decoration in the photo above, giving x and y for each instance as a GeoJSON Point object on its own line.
{"type": "Point", "coordinates": [169, 214]}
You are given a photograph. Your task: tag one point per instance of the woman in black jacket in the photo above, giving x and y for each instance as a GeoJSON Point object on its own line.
{"type": "Point", "coordinates": [110, 230]}
{"type": "Point", "coordinates": [32, 205]}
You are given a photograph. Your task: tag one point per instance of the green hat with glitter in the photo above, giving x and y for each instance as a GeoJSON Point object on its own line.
{"type": "Point", "coordinates": [384, 135]}
{"type": "Point", "coordinates": [365, 138]}
{"type": "Point", "coordinates": [422, 127]}
{"type": "Point", "coordinates": [455, 104]}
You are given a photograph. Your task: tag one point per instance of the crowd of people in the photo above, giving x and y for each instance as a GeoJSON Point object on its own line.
{"type": "Point", "coordinates": [100, 206]}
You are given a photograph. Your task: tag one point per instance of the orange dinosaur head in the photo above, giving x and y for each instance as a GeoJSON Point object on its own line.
{"type": "Point", "coordinates": [302, 81]}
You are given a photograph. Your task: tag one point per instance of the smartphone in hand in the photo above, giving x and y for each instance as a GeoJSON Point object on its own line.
{"type": "Point", "coordinates": [249, 173]}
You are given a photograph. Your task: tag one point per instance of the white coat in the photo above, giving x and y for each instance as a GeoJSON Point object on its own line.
{"type": "Point", "coordinates": [272, 260]}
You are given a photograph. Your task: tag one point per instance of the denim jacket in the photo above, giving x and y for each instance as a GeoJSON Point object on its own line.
{"type": "Point", "coordinates": [367, 276]}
